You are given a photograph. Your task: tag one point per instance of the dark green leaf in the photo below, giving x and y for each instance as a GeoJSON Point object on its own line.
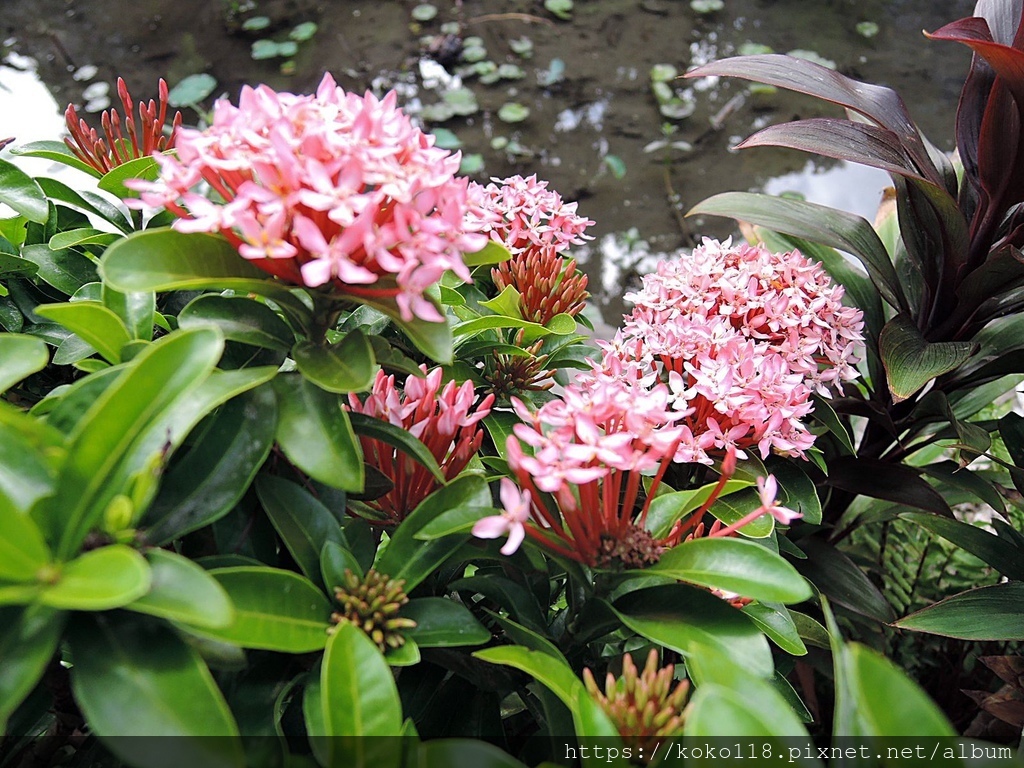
{"type": "Point", "coordinates": [73, 238]}
{"type": "Point", "coordinates": [684, 618]}
{"type": "Point", "coordinates": [84, 200]}
{"type": "Point", "coordinates": [443, 623]}
{"type": "Point", "coordinates": [23, 550]}
{"type": "Point", "coordinates": [886, 480]}
{"type": "Point", "coordinates": [445, 753]}
{"type": "Point", "coordinates": [776, 622]}
{"type": "Point", "coordinates": [123, 665]}
{"type": "Point", "coordinates": [99, 580]}
{"type": "Point", "coordinates": [734, 565]}
{"type": "Point", "coordinates": [218, 469]}
{"type": "Point", "coordinates": [136, 310]}
{"type": "Point", "coordinates": [20, 356]}
{"type": "Point", "coordinates": [53, 150]}
{"type": "Point", "coordinates": [28, 640]}
{"type": "Point", "coordinates": [797, 489]}
{"type": "Point", "coordinates": [378, 429]}
{"type": "Point", "coordinates": [667, 508]}
{"type": "Point", "coordinates": [358, 691]}
{"type": "Point", "coordinates": [65, 270]}
{"type": "Point", "coordinates": [239, 319]}
{"type": "Point", "coordinates": [93, 323]}
{"type": "Point", "coordinates": [166, 260]}
{"type": "Point", "coordinates": [335, 559]}
{"type": "Point", "coordinates": [183, 591]}
{"type": "Point", "coordinates": [12, 266]}
{"type": "Point", "coordinates": [986, 613]}
{"type": "Point", "coordinates": [275, 610]}
{"type": "Point", "coordinates": [347, 366]}
{"type": "Point", "coordinates": [413, 560]}
{"type": "Point", "coordinates": [302, 522]}
{"type": "Point", "coordinates": [911, 362]}
{"type": "Point", "coordinates": [316, 435]}
{"type": "Point", "coordinates": [825, 414]}
{"type": "Point", "coordinates": [21, 192]}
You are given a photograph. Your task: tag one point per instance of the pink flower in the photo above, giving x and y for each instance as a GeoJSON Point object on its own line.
{"type": "Point", "coordinates": [330, 189]}
{"type": "Point", "coordinates": [511, 521]}
{"type": "Point", "coordinates": [743, 337]}
{"type": "Point", "coordinates": [766, 490]}
{"type": "Point", "coordinates": [444, 418]}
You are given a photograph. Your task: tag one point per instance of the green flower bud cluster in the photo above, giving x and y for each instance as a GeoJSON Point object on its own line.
{"type": "Point", "coordinates": [372, 603]}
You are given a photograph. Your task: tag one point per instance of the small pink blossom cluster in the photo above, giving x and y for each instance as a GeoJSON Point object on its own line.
{"type": "Point", "coordinates": [743, 337]}
{"type": "Point", "coordinates": [590, 450]}
{"type": "Point", "coordinates": [331, 188]}
{"type": "Point", "coordinates": [524, 214]}
{"type": "Point", "coordinates": [444, 419]}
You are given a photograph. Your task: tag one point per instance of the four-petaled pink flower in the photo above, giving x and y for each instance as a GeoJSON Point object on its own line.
{"type": "Point", "coordinates": [516, 512]}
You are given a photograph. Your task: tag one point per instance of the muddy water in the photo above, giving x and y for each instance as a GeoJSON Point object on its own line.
{"type": "Point", "coordinates": [584, 127]}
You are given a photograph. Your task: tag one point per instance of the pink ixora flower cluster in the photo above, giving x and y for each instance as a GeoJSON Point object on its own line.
{"type": "Point", "coordinates": [590, 451]}
{"type": "Point", "coordinates": [742, 337]}
{"type": "Point", "coordinates": [326, 189]}
{"type": "Point", "coordinates": [444, 418]}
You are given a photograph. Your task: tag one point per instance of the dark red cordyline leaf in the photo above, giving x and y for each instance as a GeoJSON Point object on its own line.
{"type": "Point", "coordinates": [989, 122]}
{"type": "Point", "coordinates": [841, 139]}
{"type": "Point", "coordinates": [879, 104]}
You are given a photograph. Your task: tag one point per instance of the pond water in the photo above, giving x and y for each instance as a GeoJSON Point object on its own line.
{"type": "Point", "coordinates": [592, 124]}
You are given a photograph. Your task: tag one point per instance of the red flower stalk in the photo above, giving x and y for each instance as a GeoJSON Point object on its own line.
{"type": "Point", "coordinates": [445, 420]}
{"type": "Point", "coordinates": [117, 147]}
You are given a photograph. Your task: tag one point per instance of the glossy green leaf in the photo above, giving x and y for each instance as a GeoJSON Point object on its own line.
{"type": "Point", "coordinates": [335, 559]}
{"type": "Point", "coordinates": [183, 591]}
{"type": "Point", "coordinates": [84, 200]}
{"type": "Point", "coordinates": [28, 639]}
{"type": "Point", "coordinates": [29, 453]}
{"type": "Point", "coordinates": [492, 253]}
{"type": "Point", "coordinates": [992, 550]}
{"type": "Point", "coordinates": [101, 579]}
{"type": "Point", "coordinates": [776, 622]}
{"type": "Point", "coordinates": [20, 356]}
{"type": "Point", "coordinates": [65, 270]}
{"type": "Point", "coordinates": [505, 303]}
{"type": "Point", "coordinates": [684, 618]}
{"type": "Point", "coordinates": [443, 623]}
{"type": "Point", "coordinates": [23, 550]}
{"type": "Point", "coordinates": [986, 613]}
{"type": "Point", "coordinates": [736, 506]}
{"type": "Point", "coordinates": [668, 508]}
{"type": "Point", "coordinates": [302, 522]}
{"type": "Point", "coordinates": [275, 610]}
{"type": "Point", "coordinates": [796, 489]}
{"type": "Point", "coordinates": [358, 691]}
{"type": "Point", "coordinates": [218, 469]}
{"type": "Point", "coordinates": [734, 565]}
{"type": "Point", "coordinates": [82, 236]}
{"type": "Point", "coordinates": [457, 520]}
{"type": "Point", "coordinates": [166, 260]}
{"type": "Point", "coordinates": [12, 266]}
{"type": "Point", "coordinates": [511, 596]}
{"type": "Point", "coordinates": [824, 413]}
{"type": "Point", "coordinates": [717, 710]}
{"type": "Point", "coordinates": [408, 558]}
{"type": "Point", "coordinates": [911, 362]}
{"type": "Point", "coordinates": [347, 366]}
{"type": "Point", "coordinates": [559, 325]}
{"type": "Point", "coordinates": [163, 374]}
{"type": "Point", "coordinates": [123, 665]}
{"type": "Point", "coordinates": [316, 435]}
{"type": "Point", "coordinates": [558, 677]}
{"type": "Point", "coordinates": [432, 339]}
{"type": "Point", "coordinates": [54, 150]}
{"type": "Point", "coordinates": [240, 319]}
{"type": "Point", "coordinates": [93, 323]}
{"type": "Point", "coordinates": [378, 429]}
{"type": "Point", "coordinates": [136, 310]}
{"type": "Point", "coordinates": [819, 223]}
{"type": "Point", "coordinates": [140, 168]}
{"type": "Point", "coordinates": [21, 192]}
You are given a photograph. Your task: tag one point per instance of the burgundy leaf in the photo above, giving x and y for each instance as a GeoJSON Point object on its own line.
{"type": "Point", "coordinates": [882, 480]}
{"type": "Point", "coordinates": [881, 105]}
{"type": "Point", "coordinates": [841, 139]}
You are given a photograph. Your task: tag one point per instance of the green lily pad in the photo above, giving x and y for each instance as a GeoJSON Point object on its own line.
{"type": "Point", "coordinates": [707, 6]}
{"type": "Point", "coordinates": [513, 112]}
{"type": "Point", "coordinates": [424, 12]}
{"type": "Point", "coordinates": [303, 31]}
{"type": "Point", "coordinates": [662, 73]}
{"type": "Point", "coordinates": [562, 9]}
{"type": "Point", "coordinates": [462, 101]}
{"type": "Point", "coordinates": [192, 90]}
{"type": "Point", "coordinates": [867, 29]}
{"type": "Point", "coordinates": [256, 23]}
{"type": "Point", "coordinates": [471, 164]}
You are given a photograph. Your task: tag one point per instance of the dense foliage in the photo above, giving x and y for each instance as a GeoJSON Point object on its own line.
{"type": "Point", "coordinates": [323, 449]}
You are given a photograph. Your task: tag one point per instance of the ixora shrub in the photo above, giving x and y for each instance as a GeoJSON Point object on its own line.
{"type": "Point", "coordinates": [297, 471]}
